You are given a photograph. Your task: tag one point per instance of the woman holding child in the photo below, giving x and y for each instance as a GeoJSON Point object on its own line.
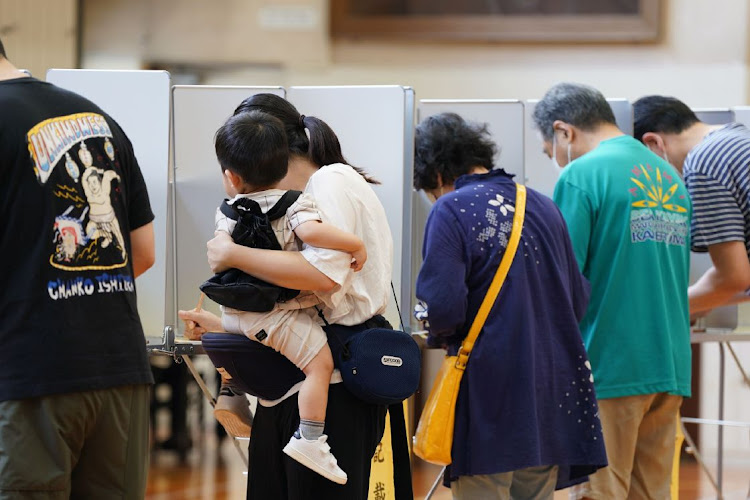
{"type": "Point", "coordinates": [350, 302]}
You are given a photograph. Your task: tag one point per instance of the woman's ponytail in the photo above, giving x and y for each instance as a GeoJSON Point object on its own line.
{"type": "Point", "coordinates": [324, 146]}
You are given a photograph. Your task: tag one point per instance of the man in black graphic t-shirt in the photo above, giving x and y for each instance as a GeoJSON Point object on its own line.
{"type": "Point", "coordinates": [76, 231]}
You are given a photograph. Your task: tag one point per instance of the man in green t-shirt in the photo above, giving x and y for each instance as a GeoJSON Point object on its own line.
{"type": "Point", "coordinates": [628, 214]}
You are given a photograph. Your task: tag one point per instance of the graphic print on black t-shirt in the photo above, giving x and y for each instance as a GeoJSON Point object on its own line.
{"type": "Point", "coordinates": [67, 159]}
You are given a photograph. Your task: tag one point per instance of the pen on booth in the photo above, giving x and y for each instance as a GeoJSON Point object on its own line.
{"type": "Point", "coordinates": [190, 324]}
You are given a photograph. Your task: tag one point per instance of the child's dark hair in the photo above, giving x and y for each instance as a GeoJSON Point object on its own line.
{"type": "Point", "coordinates": [322, 146]}
{"type": "Point", "coordinates": [254, 146]}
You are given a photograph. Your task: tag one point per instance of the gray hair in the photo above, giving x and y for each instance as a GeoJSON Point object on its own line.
{"type": "Point", "coordinates": [573, 103]}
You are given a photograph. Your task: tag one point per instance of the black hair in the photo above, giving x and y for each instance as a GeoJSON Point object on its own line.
{"type": "Point", "coordinates": [661, 114]}
{"type": "Point", "coordinates": [254, 146]}
{"type": "Point", "coordinates": [446, 144]}
{"type": "Point", "coordinates": [322, 147]}
{"type": "Point", "coordinates": [573, 103]}
{"type": "Point", "coordinates": [2, 50]}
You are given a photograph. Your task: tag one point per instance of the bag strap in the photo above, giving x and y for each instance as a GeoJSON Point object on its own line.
{"type": "Point", "coordinates": [281, 206]}
{"type": "Point", "coordinates": [345, 348]}
{"type": "Point", "coordinates": [250, 206]}
{"type": "Point", "coordinates": [276, 211]}
{"type": "Point", "coordinates": [241, 207]}
{"type": "Point", "coordinates": [398, 309]}
{"type": "Point", "coordinates": [400, 450]}
{"type": "Point", "coordinates": [497, 282]}
{"type": "Point", "coordinates": [229, 210]}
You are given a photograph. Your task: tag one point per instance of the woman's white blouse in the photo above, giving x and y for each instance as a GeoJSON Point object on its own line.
{"type": "Point", "coordinates": [347, 201]}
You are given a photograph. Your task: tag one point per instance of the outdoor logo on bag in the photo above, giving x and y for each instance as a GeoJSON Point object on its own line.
{"type": "Point", "coordinates": [391, 361]}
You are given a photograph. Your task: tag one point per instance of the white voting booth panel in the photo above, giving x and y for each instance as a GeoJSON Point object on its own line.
{"type": "Point", "coordinates": [375, 125]}
{"type": "Point", "coordinates": [721, 317]}
{"type": "Point", "coordinates": [714, 116]}
{"type": "Point", "coordinates": [199, 111]}
{"type": "Point", "coordinates": [742, 115]}
{"type": "Point", "coordinates": [540, 172]}
{"type": "Point", "coordinates": [139, 102]}
{"type": "Point", "coordinates": [623, 111]}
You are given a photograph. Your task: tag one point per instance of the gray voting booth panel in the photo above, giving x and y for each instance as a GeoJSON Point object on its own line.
{"type": "Point", "coordinates": [742, 115]}
{"type": "Point", "coordinates": [722, 317]}
{"type": "Point", "coordinates": [540, 172]}
{"type": "Point", "coordinates": [714, 116]}
{"type": "Point", "coordinates": [139, 102]}
{"type": "Point", "coordinates": [623, 111]}
{"type": "Point", "coordinates": [375, 125]}
{"type": "Point", "coordinates": [198, 112]}
{"type": "Point", "coordinates": [505, 120]}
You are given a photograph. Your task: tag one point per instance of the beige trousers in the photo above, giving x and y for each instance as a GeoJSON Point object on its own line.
{"type": "Point", "coordinates": [639, 433]}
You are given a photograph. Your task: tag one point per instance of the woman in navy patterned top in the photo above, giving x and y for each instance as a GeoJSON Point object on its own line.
{"type": "Point", "coordinates": [526, 418]}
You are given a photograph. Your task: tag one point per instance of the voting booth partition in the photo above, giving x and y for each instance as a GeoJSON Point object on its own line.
{"type": "Point", "coordinates": [199, 111]}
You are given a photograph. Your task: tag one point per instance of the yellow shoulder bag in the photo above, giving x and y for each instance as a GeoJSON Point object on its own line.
{"type": "Point", "coordinates": [434, 438]}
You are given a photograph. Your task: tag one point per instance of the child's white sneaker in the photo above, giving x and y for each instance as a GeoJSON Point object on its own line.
{"type": "Point", "coordinates": [232, 410]}
{"type": "Point", "coordinates": [315, 455]}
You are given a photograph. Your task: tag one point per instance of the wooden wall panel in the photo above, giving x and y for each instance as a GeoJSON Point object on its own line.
{"type": "Point", "coordinates": [40, 34]}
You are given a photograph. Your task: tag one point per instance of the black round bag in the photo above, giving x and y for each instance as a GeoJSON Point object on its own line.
{"type": "Point", "coordinates": [380, 366]}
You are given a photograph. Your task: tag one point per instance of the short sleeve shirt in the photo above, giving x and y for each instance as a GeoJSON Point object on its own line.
{"type": "Point", "coordinates": [301, 211]}
{"type": "Point", "coordinates": [71, 192]}
{"type": "Point", "coordinates": [628, 214]}
{"type": "Point", "coordinates": [347, 201]}
{"type": "Point", "coordinates": [717, 175]}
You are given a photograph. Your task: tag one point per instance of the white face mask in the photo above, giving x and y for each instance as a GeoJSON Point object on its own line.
{"type": "Point", "coordinates": [665, 156]}
{"type": "Point", "coordinates": [554, 153]}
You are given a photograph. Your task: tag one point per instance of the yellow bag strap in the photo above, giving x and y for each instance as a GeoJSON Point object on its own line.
{"type": "Point", "coordinates": [497, 281]}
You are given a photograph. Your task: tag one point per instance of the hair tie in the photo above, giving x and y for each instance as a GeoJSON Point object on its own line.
{"type": "Point", "coordinates": [302, 121]}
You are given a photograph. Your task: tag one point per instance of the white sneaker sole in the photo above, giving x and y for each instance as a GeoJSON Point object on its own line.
{"type": "Point", "coordinates": [232, 423]}
{"type": "Point", "coordinates": [310, 464]}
